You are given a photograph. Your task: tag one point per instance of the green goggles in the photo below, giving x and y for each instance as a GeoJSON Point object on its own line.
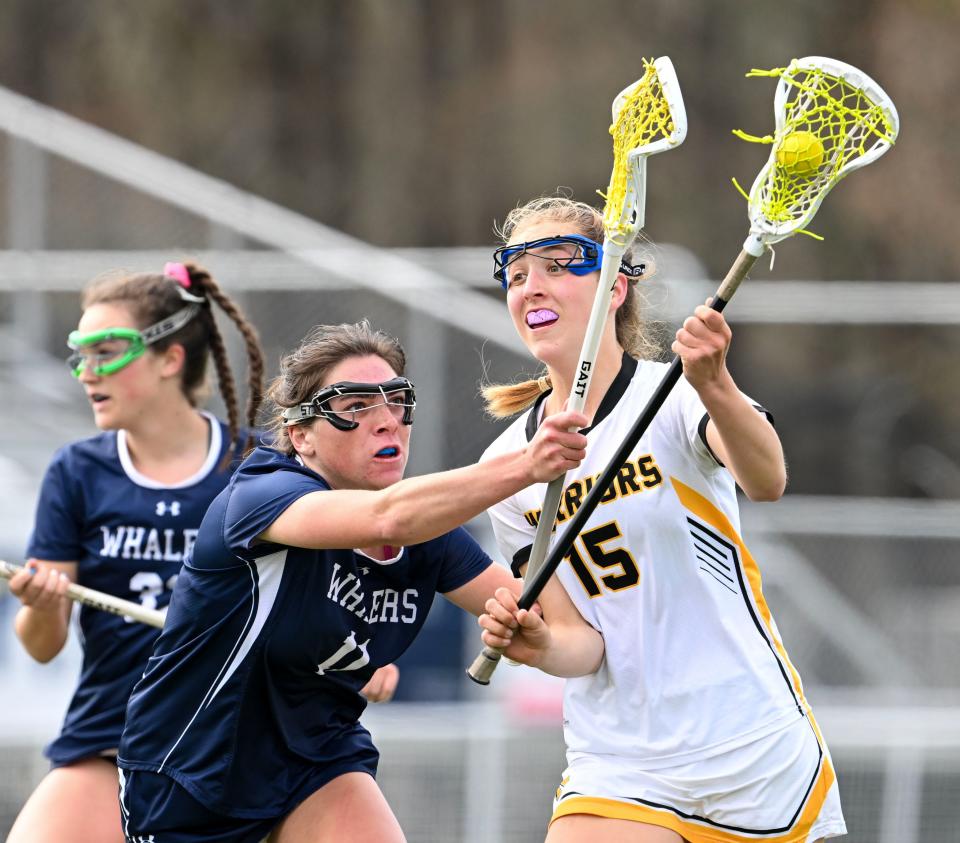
{"type": "Point", "coordinates": [104, 352]}
{"type": "Point", "coordinates": [108, 351]}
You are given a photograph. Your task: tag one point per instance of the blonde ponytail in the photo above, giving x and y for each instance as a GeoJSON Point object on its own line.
{"type": "Point", "coordinates": [505, 400]}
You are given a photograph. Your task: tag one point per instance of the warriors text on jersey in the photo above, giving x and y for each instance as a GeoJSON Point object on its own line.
{"type": "Point", "coordinates": [694, 664]}
{"type": "Point", "coordinates": [255, 682]}
{"type": "Point", "coordinates": [128, 536]}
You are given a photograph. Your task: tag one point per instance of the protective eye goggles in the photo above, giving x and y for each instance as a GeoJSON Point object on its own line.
{"type": "Point", "coordinates": [108, 351]}
{"type": "Point", "coordinates": [341, 403]}
{"type": "Point", "coordinates": [572, 252]}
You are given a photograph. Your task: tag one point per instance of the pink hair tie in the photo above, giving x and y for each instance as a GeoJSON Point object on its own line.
{"type": "Point", "coordinates": [178, 272]}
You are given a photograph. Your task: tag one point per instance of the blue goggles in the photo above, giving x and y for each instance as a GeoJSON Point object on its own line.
{"type": "Point", "coordinates": [572, 252]}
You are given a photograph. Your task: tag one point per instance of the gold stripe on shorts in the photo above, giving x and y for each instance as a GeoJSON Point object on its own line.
{"type": "Point", "coordinates": [701, 832]}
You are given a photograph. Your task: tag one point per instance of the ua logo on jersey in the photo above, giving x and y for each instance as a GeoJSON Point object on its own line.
{"type": "Point", "coordinates": [172, 508]}
{"type": "Point", "coordinates": [351, 648]}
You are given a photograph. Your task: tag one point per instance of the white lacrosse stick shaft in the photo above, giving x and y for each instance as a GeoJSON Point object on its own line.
{"type": "Point", "coordinates": [99, 600]}
{"type": "Point", "coordinates": [615, 245]}
{"type": "Point", "coordinates": [578, 395]}
{"type": "Point", "coordinates": [634, 212]}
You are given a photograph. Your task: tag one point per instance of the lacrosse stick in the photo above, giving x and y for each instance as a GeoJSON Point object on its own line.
{"type": "Point", "coordinates": [831, 119]}
{"type": "Point", "coordinates": [99, 600]}
{"type": "Point", "coordinates": [648, 117]}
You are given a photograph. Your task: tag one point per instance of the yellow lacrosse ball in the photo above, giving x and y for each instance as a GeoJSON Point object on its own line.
{"type": "Point", "coordinates": [800, 153]}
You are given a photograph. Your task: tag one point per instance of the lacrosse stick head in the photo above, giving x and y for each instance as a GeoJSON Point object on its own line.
{"type": "Point", "coordinates": [648, 117]}
{"type": "Point", "coordinates": [831, 119]}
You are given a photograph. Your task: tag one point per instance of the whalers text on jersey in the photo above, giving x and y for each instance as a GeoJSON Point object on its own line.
{"type": "Point", "coordinates": [386, 605]}
{"type": "Point", "coordinates": [138, 542]}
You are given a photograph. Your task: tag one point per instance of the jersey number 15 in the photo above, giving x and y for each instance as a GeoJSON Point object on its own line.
{"type": "Point", "coordinates": [617, 561]}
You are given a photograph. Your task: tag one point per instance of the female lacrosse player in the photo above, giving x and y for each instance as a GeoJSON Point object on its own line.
{"type": "Point", "coordinates": [119, 511]}
{"type": "Point", "coordinates": [696, 727]}
{"type": "Point", "coordinates": [316, 565]}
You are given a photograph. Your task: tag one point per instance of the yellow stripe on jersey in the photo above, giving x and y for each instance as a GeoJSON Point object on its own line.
{"type": "Point", "coordinates": [707, 512]}
{"type": "Point", "coordinates": [700, 832]}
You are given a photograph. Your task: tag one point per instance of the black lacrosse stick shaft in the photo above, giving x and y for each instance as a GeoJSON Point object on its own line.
{"type": "Point", "coordinates": [533, 586]}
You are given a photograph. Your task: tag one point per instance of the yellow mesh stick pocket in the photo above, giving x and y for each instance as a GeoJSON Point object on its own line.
{"type": "Point", "coordinates": [825, 124]}
{"type": "Point", "coordinates": [644, 117]}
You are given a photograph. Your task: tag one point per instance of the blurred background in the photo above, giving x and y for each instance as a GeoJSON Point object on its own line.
{"type": "Point", "coordinates": [330, 161]}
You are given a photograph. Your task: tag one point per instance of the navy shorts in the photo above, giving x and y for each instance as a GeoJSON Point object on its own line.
{"type": "Point", "coordinates": [155, 809]}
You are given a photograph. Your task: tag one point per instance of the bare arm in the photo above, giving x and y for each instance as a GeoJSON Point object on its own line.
{"type": "Point", "coordinates": [472, 597]}
{"type": "Point", "coordinates": [42, 623]}
{"type": "Point", "coordinates": [566, 646]}
{"type": "Point", "coordinates": [746, 442]}
{"type": "Point", "coordinates": [383, 684]}
{"type": "Point", "coordinates": [743, 440]}
{"type": "Point", "coordinates": [421, 508]}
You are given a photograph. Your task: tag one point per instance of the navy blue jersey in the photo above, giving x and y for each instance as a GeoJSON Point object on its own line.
{"type": "Point", "coordinates": [255, 681]}
{"type": "Point", "coordinates": [128, 536]}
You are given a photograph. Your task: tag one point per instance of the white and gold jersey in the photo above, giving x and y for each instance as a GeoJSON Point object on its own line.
{"type": "Point", "coordinates": [694, 664]}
